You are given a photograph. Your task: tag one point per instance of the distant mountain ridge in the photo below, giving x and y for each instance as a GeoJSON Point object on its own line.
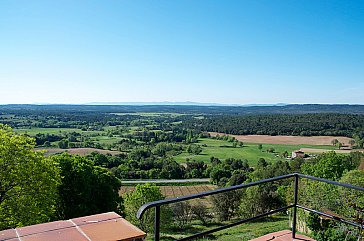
{"type": "Point", "coordinates": [190, 109]}
{"type": "Point", "coordinates": [179, 103]}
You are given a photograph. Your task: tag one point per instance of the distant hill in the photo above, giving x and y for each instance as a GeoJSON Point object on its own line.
{"type": "Point", "coordinates": [190, 109]}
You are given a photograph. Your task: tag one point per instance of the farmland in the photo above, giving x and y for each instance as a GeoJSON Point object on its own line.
{"type": "Point", "coordinates": [161, 146]}
{"type": "Point", "coordinates": [288, 140]}
{"type": "Point", "coordinates": [223, 149]}
{"type": "Point", "coordinates": [174, 191]}
{"type": "Point", "coordinates": [176, 133]}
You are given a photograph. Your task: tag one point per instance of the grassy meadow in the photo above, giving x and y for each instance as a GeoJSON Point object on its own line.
{"type": "Point", "coordinates": [224, 149]}
{"type": "Point", "coordinates": [221, 149]}
{"type": "Point", "coordinates": [243, 232]}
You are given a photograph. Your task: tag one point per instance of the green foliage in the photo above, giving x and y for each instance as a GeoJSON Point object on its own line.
{"type": "Point", "coordinates": [331, 165]}
{"type": "Point", "coordinates": [195, 169]}
{"type": "Point", "coordinates": [193, 148]}
{"type": "Point", "coordinates": [232, 171]}
{"type": "Point", "coordinates": [226, 204]}
{"type": "Point", "coordinates": [260, 199]}
{"type": "Point", "coordinates": [322, 196]}
{"type": "Point", "coordinates": [182, 214]}
{"type": "Point", "coordinates": [265, 170]}
{"type": "Point", "coordinates": [314, 124]}
{"type": "Point", "coordinates": [28, 182]}
{"type": "Point", "coordinates": [265, 197]}
{"type": "Point", "coordinates": [260, 147]}
{"type": "Point", "coordinates": [154, 168]}
{"type": "Point", "coordinates": [201, 212]}
{"type": "Point", "coordinates": [352, 200]}
{"type": "Point", "coordinates": [356, 178]}
{"type": "Point", "coordinates": [332, 234]}
{"type": "Point", "coordinates": [143, 194]}
{"type": "Point", "coordinates": [86, 189]}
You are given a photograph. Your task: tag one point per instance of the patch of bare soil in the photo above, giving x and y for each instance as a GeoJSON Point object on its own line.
{"type": "Point", "coordinates": [288, 140]}
{"type": "Point", "coordinates": [174, 191]}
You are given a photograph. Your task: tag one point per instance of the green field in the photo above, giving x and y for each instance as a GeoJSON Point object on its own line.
{"type": "Point", "coordinates": [243, 232]}
{"type": "Point", "coordinates": [34, 130]}
{"type": "Point", "coordinates": [106, 139]}
{"type": "Point", "coordinates": [223, 149]}
{"type": "Point", "coordinates": [151, 114]}
{"type": "Point", "coordinates": [210, 147]}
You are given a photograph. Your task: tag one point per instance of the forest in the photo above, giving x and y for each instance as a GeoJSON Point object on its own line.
{"type": "Point", "coordinates": [170, 145]}
{"type": "Point", "coordinates": [323, 124]}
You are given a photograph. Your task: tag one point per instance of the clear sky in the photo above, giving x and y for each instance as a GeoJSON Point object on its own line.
{"type": "Point", "coordinates": [241, 52]}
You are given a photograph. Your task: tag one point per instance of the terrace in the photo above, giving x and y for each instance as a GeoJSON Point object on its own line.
{"type": "Point", "coordinates": [100, 227]}
{"type": "Point", "coordinates": [283, 235]}
{"type": "Point", "coordinates": [112, 227]}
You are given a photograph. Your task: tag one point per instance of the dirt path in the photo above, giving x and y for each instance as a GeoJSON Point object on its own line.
{"type": "Point", "coordinates": [288, 140]}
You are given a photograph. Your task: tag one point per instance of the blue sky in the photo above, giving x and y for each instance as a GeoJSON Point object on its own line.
{"type": "Point", "coordinates": [233, 52]}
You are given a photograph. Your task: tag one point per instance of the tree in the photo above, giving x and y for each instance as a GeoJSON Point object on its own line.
{"type": "Point", "coordinates": [330, 165]}
{"type": "Point", "coordinates": [195, 149]}
{"type": "Point", "coordinates": [226, 204]}
{"type": "Point", "coordinates": [235, 143]}
{"type": "Point", "coordinates": [86, 189]}
{"type": "Point", "coordinates": [64, 144]}
{"type": "Point", "coordinates": [201, 212]}
{"type": "Point", "coordinates": [143, 194]}
{"type": "Point", "coordinates": [219, 172]}
{"type": "Point", "coordinates": [260, 147]}
{"type": "Point", "coordinates": [259, 199]}
{"type": "Point", "coordinates": [334, 142]}
{"type": "Point", "coordinates": [271, 150]}
{"type": "Point", "coordinates": [339, 145]}
{"type": "Point", "coordinates": [28, 182]}
{"type": "Point", "coordinates": [352, 142]}
{"type": "Point", "coordinates": [351, 197]}
{"type": "Point", "coordinates": [182, 214]}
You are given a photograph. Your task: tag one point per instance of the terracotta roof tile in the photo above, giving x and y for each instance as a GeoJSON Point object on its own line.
{"type": "Point", "coordinates": [66, 234]}
{"type": "Point", "coordinates": [44, 227]}
{"type": "Point", "coordinates": [113, 230]}
{"type": "Point", "coordinates": [7, 234]}
{"type": "Point", "coordinates": [95, 218]}
{"type": "Point", "coordinates": [101, 227]}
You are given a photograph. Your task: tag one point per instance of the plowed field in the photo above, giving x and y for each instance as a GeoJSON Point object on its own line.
{"type": "Point", "coordinates": [174, 191]}
{"type": "Point", "coordinates": [288, 140]}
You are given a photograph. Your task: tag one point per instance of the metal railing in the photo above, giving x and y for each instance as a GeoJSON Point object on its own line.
{"type": "Point", "coordinates": [157, 205]}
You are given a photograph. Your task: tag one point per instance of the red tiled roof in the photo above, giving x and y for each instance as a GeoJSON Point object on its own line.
{"type": "Point", "coordinates": [101, 227]}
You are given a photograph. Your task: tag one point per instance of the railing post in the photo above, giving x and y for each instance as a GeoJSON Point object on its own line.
{"type": "Point", "coordinates": [294, 220]}
{"type": "Point", "coordinates": [157, 219]}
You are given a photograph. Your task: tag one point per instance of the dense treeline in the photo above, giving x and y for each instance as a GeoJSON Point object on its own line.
{"type": "Point", "coordinates": [142, 164]}
{"type": "Point", "coordinates": [187, 109]}
{"type": "Point", "coordinates": [255, 200]}
{"type": "Point", "coordinates": [303, 124]}
{"type": "Point", "coordinates": [99, 118]}
{"type": "Point", "coordinates": [35, 189]}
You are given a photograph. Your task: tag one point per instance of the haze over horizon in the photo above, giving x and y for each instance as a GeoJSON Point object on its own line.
{"type": "Point", "coordinates": [236, 52]}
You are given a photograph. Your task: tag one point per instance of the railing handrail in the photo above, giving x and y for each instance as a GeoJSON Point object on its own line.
{"type": "Point", "coordinates": [330, 182]}
{"type": "Point", "coordinates": [295, 205]}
